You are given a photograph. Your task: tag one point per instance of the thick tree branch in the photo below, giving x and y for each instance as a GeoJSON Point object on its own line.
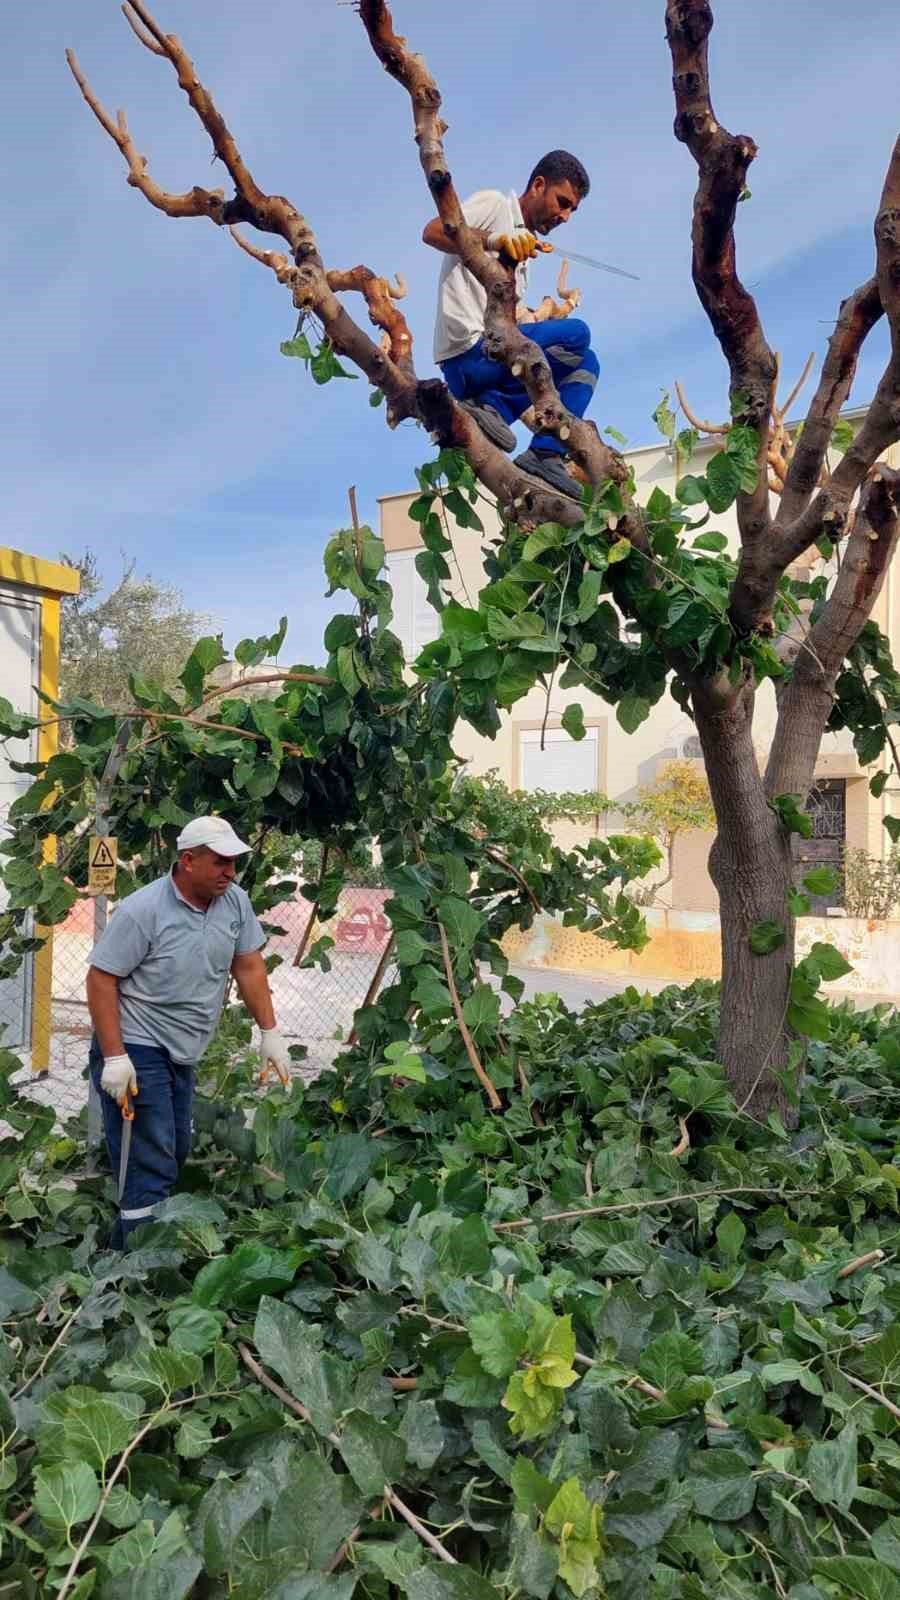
{"type": "Point", "coordinates": [857, 316]}
{"type": "Point", "coordinates": [379, 294]}
{"type": "Point", "coordinates": [805, 701]}
{"type": "Point", "coordinates": [863, 571]}
{"type": "Point", "coordinates": [503, 340]}
{"type": "Point", "coordinates": [723, 160]}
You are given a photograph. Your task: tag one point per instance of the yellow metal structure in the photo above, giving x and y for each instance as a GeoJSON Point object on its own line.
{"type": "Point", "coordinates": [49, 580]}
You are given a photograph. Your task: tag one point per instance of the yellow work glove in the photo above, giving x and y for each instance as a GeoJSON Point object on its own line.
{"type": "Point", "coordinates": [519, 246]}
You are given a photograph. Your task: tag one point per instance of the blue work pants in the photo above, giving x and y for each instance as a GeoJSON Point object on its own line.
{"type": "Point", "coordinates": [160, 1134]}
{"type": "Point", "coordinates": [575, 369]}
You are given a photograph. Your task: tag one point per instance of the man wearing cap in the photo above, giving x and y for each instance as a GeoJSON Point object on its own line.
{"type": "Point", "coordinates": [156, 986]}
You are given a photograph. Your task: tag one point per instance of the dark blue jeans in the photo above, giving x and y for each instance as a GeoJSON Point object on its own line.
{"type": "Point", "coordinates": [575, 369]}
{"type": "Point", "coordinates": [160, 1134]}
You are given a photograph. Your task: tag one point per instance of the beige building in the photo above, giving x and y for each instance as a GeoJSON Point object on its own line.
{"type": "Point", "coordinates": [608, 759]}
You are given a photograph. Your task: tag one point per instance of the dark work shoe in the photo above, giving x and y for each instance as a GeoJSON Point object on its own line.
{"type": "Point", "coordinates": [548, 466]}
{"type": "Point", "coordinates": [491, 424]}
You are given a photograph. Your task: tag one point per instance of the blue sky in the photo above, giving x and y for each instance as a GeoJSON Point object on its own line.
{"type": "Point", "coordinates": [148, 410]}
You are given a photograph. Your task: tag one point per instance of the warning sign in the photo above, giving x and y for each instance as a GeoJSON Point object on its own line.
{"type": "Point", "coordinates": [102, 856]}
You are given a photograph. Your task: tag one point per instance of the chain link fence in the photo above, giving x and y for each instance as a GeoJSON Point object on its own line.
{"type": "Point", "coordinates": [44, 1016]}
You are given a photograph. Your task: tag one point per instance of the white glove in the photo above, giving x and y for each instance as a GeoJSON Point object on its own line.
{"type": "Point", "coordinates": [274, 1054]}
{"type": "Point", "coordinates": [118, 1077]}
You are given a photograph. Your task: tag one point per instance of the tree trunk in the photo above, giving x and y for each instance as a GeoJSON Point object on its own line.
{"type": "Point", "coordinates": [750, 865]}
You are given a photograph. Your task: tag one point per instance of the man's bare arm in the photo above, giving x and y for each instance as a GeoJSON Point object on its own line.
{"type": "Point", "coordinates": [250, 975]}
{"type": "Point", "coordinates": [103, 1004]}
{"type": "Point", "coordinates": [434, 235]}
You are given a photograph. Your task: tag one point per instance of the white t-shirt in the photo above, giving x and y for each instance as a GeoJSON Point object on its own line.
{"type": "Point", "coordinates": [461, 299]}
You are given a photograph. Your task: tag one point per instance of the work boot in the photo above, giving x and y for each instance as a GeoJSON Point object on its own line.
{"type": "Point", "coordinates": [548, 466]}
{"type": "Point", "coordinates": [491, 424]}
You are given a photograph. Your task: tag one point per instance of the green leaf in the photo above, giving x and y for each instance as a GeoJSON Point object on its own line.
{"type": "Point", "coordinates": [722, 1484]}
{"type": "Point", "coordinates": [470, 1386]}
{"type": "Point", "coordinates": [375, 1454]}
{"type": "Point", "coordinates": [828, 962]}
{"type": "Point", "coordinates": [193, 1438]}
{"type": "Point", "coordinates": [691, 490]}
{"type": "Point", "coordinates": [573, 721]}
{"type": "Point", "coordinates": [422, 1433]}
{"type": "Point", "coordinates": [292, 1346]}
{"type": "Point", "coordinates": [239, 1278]}
{"type": "Point", "coordinates": [631, 711]}
{"type": "Point", "coordinates": [575, 1521]}
{"type": "Point", "coordinates": [892, 824]}
{"type": "Point", "coordinates": [777, 1372]}
{"type": "Point", "coordinates": [66, 1495]}
{"type": "Point", "coordinates": [842, 435]}
{"type": "Point", "coordinates": [376, 397]}
{"type": "Point", "coordinates": [499, 1339]}
{"type": "Point", "coordinates": [822, 880]}
{"type": "Point", "coordinates": [531, 1490]}
{"type": "Point", "coordinates": [664, 417]}
{"type": "Point", "coordinates": [789, 809]}
{"type": "Point", "coordinates": [462, 923]}
{"type": "Point", "coordinates": [723, 482]}
{"type": "Point", "coordinates": [620, 551]}
{"type": "Point", "coordinates": [766, 937]}
{"type": "Point", "coordinates": [324, 364]}
{"type": "Point", "coordinates": [97, 1427]}
{"type": "Point", "coordinates": [730, 1236]}
{"type": "Point", "coordinates": [298, 347]}
{"type": "Point", "coordinates": [406, 1066]}
{"type": "Point", "coordinates": [858, 1576]}
{"type": "Point", "coordinates": [440, 1582]}
{"type": "Point", "coordinates": [410, 948]}
{"type": "Point", "coordinates": [711, 541]}
{"type": "Point", "coordinates": [194, 1328]}
{"type": "Point", "coordinates": [481, 1010]}
{"type": "Point", "coordinates": [831, 1469]}
{"type": "Point", "coordinates": [313, 1514]}
{"type": "Point", "coordinates": [671, 1358]}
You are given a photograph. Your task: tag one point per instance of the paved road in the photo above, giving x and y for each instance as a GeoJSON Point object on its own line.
{"type": "Point", "coordinates": [578, 990]}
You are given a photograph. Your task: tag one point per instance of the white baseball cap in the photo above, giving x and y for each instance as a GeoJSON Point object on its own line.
{"type": "Point", "coordinates": [215, 833]}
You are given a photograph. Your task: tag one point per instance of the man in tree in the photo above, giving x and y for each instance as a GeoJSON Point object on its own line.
{"type": "Point", "coordinates": [156, 986]}
{"type": "Point", "coordinates": [510, 225]}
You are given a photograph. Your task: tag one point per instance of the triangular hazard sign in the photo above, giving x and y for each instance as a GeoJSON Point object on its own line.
{"type": "Point", "coordinates": [102, 856]}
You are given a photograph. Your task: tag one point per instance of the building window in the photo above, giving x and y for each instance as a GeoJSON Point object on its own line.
{"type": "Point", "coordinates": [564, 766]}
{"type": "Point", "coordinates": [415, 622]}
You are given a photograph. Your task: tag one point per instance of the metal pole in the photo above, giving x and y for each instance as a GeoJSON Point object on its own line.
{"type": "Point", "coordinates": [101, 904]}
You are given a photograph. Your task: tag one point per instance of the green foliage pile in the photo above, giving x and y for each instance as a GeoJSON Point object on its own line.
{"type": "Point", "coordinates": [683, 1386]}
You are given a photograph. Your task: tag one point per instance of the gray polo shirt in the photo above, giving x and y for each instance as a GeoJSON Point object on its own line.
{"type": "Point", "coordinates": [173, 961]}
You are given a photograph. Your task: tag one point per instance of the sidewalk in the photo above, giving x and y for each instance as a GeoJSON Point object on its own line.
{"type": "Point", "coordinates": [577, 990]}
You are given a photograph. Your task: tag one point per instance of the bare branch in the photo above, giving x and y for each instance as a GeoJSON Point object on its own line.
{"type": "Point", "coordinates": [196, 203]}
{"type": "Point", "coordinates": [723, 160]}
{"type": "Point", "coordinates": [493, 1097]}
{"type": "Point", "coordinates": [502, 339]}
{"type": "Point", "coordinates": [146, 39]}
{"type": "Point", "coordinates": [697, 422]}
{"type": "Point", "coordinates": [782, 411]}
